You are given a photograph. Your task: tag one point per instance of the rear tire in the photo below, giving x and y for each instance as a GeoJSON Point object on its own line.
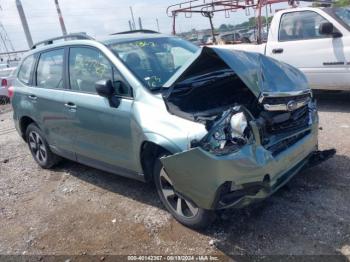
{"type": "Point", "coordinates": [39, 148]}
{"type": "Point", "coordinates": [4, 100]}
{"type": "Point", "coordinates": [184, 211]}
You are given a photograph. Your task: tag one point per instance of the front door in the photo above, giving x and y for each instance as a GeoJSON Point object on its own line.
{"type": "Point", "coordinates": [320, 57]}
{"type": "Point", "coordinates": [102, 133]}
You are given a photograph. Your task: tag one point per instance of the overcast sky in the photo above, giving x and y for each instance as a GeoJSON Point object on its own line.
{"type": "Point", "coordinates": [98, 17]}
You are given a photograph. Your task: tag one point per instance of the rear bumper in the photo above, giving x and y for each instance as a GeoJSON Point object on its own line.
{"type": "Point", "coordinates": [3, 91]}
{"type": "Point", "coordinates": [238, 179]}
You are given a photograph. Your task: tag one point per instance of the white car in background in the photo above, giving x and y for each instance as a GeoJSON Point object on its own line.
{"type": "Point", "coordinates": [315, 40]}
{"type": "Point", "coordinates": [7, 75]}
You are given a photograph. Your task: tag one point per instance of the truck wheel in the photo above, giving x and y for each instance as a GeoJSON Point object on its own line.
{"type": "Point", "coordinates": [39, 147]}
{"type": "Point", "coordinates": [184, 211]}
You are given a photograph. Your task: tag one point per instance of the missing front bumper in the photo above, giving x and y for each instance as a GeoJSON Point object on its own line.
{"type": "Point", "coordinates": [207, 179]}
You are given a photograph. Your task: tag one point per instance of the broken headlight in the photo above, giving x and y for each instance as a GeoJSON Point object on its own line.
{"type": "Point", "coordinates": [227, 134]}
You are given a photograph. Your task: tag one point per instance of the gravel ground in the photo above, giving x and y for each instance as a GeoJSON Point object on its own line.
{"type": "Point", "coordinates": [73, 209]}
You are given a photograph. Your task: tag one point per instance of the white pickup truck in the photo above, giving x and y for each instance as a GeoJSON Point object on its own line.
{"type": "Point", "coordinates": [315, 40]}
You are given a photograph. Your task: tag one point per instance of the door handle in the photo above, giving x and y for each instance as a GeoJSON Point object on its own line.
{"type": "Point", "coordinates": [32, 97]}
{"type": "Point", "coordinates": [277, 50]}
{"type": "Point", "coordinates": [70, 105]}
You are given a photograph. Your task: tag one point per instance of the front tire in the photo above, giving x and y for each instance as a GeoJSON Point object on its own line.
{"type": "Point", "coordinates": [39, 148]}
{"type": "Point", "coordinates": [184, 211]}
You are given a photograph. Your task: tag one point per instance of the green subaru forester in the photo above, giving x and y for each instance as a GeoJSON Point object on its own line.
{"type": "Point", "coordinates": [211, 128]}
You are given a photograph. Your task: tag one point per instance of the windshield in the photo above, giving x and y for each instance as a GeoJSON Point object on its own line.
{"type": "Point", "coordinates": [343, 13]}
{"type": "Point", "coordinates": [154, 60]}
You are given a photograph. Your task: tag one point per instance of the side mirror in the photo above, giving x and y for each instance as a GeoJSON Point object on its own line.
{"type": "Point", "coordinates": [327, 28]}
{"type": "Point", "coordinates": [104, 88]}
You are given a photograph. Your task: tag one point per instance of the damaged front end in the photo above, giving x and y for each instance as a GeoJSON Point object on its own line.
{"type": "Point", "coordinates": [261, 122]}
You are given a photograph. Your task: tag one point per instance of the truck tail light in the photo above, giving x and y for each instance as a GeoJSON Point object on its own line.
{"type": "Point", "coordinates": [11, 91]}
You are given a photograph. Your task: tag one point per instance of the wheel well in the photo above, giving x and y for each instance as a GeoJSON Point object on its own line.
{"type": "Point", "coordinates": [148, 155]}
{"type": "Point", "coordinates": [23, 124]}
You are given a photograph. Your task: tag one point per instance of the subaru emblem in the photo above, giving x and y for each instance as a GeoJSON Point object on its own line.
{"type": "Point", "coordinates": [292, 105]}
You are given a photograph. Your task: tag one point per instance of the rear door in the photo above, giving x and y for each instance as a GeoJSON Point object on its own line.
{"type": "Point", "coordinates": [320, 57]}
{"type": "Point", "coordinates": [49, 98]}
{"type": "Point", "coordinates": [102, 133]}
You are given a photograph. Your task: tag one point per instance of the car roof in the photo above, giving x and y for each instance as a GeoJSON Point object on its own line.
{"type": "Point", "coordinates": [129, 37]}
{"type": "Point", "coordinates": [228, 33]}
{"type": "Point", "coordinates": [110, 39]}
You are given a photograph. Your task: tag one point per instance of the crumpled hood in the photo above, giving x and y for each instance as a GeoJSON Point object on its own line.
{"type": "Point", "coordinates": [258, 72]}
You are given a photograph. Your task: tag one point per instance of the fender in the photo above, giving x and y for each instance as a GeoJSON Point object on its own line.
{"type": "Point", "coordinates": [163, 142]}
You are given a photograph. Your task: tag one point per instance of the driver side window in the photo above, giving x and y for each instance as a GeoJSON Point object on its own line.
{"type": "Point", "coordinates": [301, 25]}
{"type": "Point", "coordinates": [86, 67]}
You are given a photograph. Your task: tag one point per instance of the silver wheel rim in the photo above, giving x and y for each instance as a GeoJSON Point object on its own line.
{"type": "Point", "coordinates": [37, 146]}
{"type": "Point", "coordinates": [178, 204]}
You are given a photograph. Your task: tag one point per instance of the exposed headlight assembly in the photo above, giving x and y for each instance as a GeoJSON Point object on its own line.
{"type": "Point", "coordinates": [238, 123]}
{"type": "Point", "coordinates": [227, 134]}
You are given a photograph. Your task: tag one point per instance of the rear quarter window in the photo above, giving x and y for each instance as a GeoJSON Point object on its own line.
{"type": "Point", "coordinates": [26, 69]}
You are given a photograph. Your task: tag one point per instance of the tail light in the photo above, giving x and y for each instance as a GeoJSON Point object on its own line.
{"type": "Point", "coordinates": [3, 82]}
{"type": "Point", "coordinates": [10, 91]}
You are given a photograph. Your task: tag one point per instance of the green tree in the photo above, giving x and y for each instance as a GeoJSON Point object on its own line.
{"type": "Point", "coordinates": [223, 28]}
{"type": "Point", "coordinates": [340, 3]}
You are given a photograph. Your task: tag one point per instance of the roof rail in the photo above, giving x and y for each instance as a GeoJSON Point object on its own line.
{"type": "Point", "coordinates": [146, 31]}
{"type": "Point", "coordinates": [76, 36]}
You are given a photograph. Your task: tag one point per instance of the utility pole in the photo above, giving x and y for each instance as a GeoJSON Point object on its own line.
{"type": "Point", "coordinates": [24, 23]}
{"type": "Point", "coordinates": [60, 18]}
{"type": "Point", "coordinates": [140, 23]}
{"type": "Point", "coordinates": [157, 25]}
{"type": "Point", "coordinates": [5, 41]}
{"type": "Point", "coordinates": [132, 18]}
{"type": "Point", "coordinates": [210, 16]}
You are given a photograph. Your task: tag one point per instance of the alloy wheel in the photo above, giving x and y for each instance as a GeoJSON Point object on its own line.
{"type": "Point", "coordinates": [178, 204]}
{"type": "Point", "coordinates": [37, 146]}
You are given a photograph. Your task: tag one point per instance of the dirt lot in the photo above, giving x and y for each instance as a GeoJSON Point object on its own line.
{"type": "Point", "coordinates": [74, 209]}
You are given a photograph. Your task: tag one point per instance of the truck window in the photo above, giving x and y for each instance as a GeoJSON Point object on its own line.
{"type": "Point", "coordinates": [301, 25]}
{"type": "Point", "coordinates": [50, 69]}
{"type": "Point", "coordinates": [26, 69]}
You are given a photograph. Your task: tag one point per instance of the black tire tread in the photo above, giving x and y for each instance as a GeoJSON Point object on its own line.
{"type": "Point", "coordinates": [52, 159]}
{"type": "Point", "coordinates": [204, 217]}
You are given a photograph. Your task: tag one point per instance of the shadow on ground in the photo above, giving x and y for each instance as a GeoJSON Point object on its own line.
{"type": "Point", "coordinates": [307, 216]}
{"type": "Point", "coordinates": [333, 101]}
{"type": "Point", "coordinates": [134, 189]}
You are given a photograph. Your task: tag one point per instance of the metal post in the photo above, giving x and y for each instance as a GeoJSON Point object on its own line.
{"type": "Point", "coordinates": [174, 23]}
{"type": "Point", "coordinates": [259, 22]}
{"type": "Point", "coordinates": [130, 26]}
{"type": "Point", "coordinates": [140, 23]}
{"type": "Point", "coordinates": [24, 23]}
{"type": "Point", "coordinates": [4, 43]}
{"type": "Point", "coordinates": [157, 25]}
{"type": "Point", "coordinates": [267, 19]}
{"type": "Point", "coordinates": [60, 17]}
{"type": "Point", "coordinates": [133, 18]}
{"type": "Point", "coordinates": [210, 16]}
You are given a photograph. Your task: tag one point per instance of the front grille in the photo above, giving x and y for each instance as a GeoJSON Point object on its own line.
{"type": "Point", "coordinates": [298, 119]}
{"type": "Point", "coordinates": [284, 144]}
{"type": "Point", "coordinates": [285, 99]}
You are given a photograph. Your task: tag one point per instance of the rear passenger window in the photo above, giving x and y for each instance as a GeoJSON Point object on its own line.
{"type": "Point", "coordinates": [86, 67]}
{"type": "Point", "coordinates": [50, 69]}
{"type": "Point", "coordinates": [26, 69]}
